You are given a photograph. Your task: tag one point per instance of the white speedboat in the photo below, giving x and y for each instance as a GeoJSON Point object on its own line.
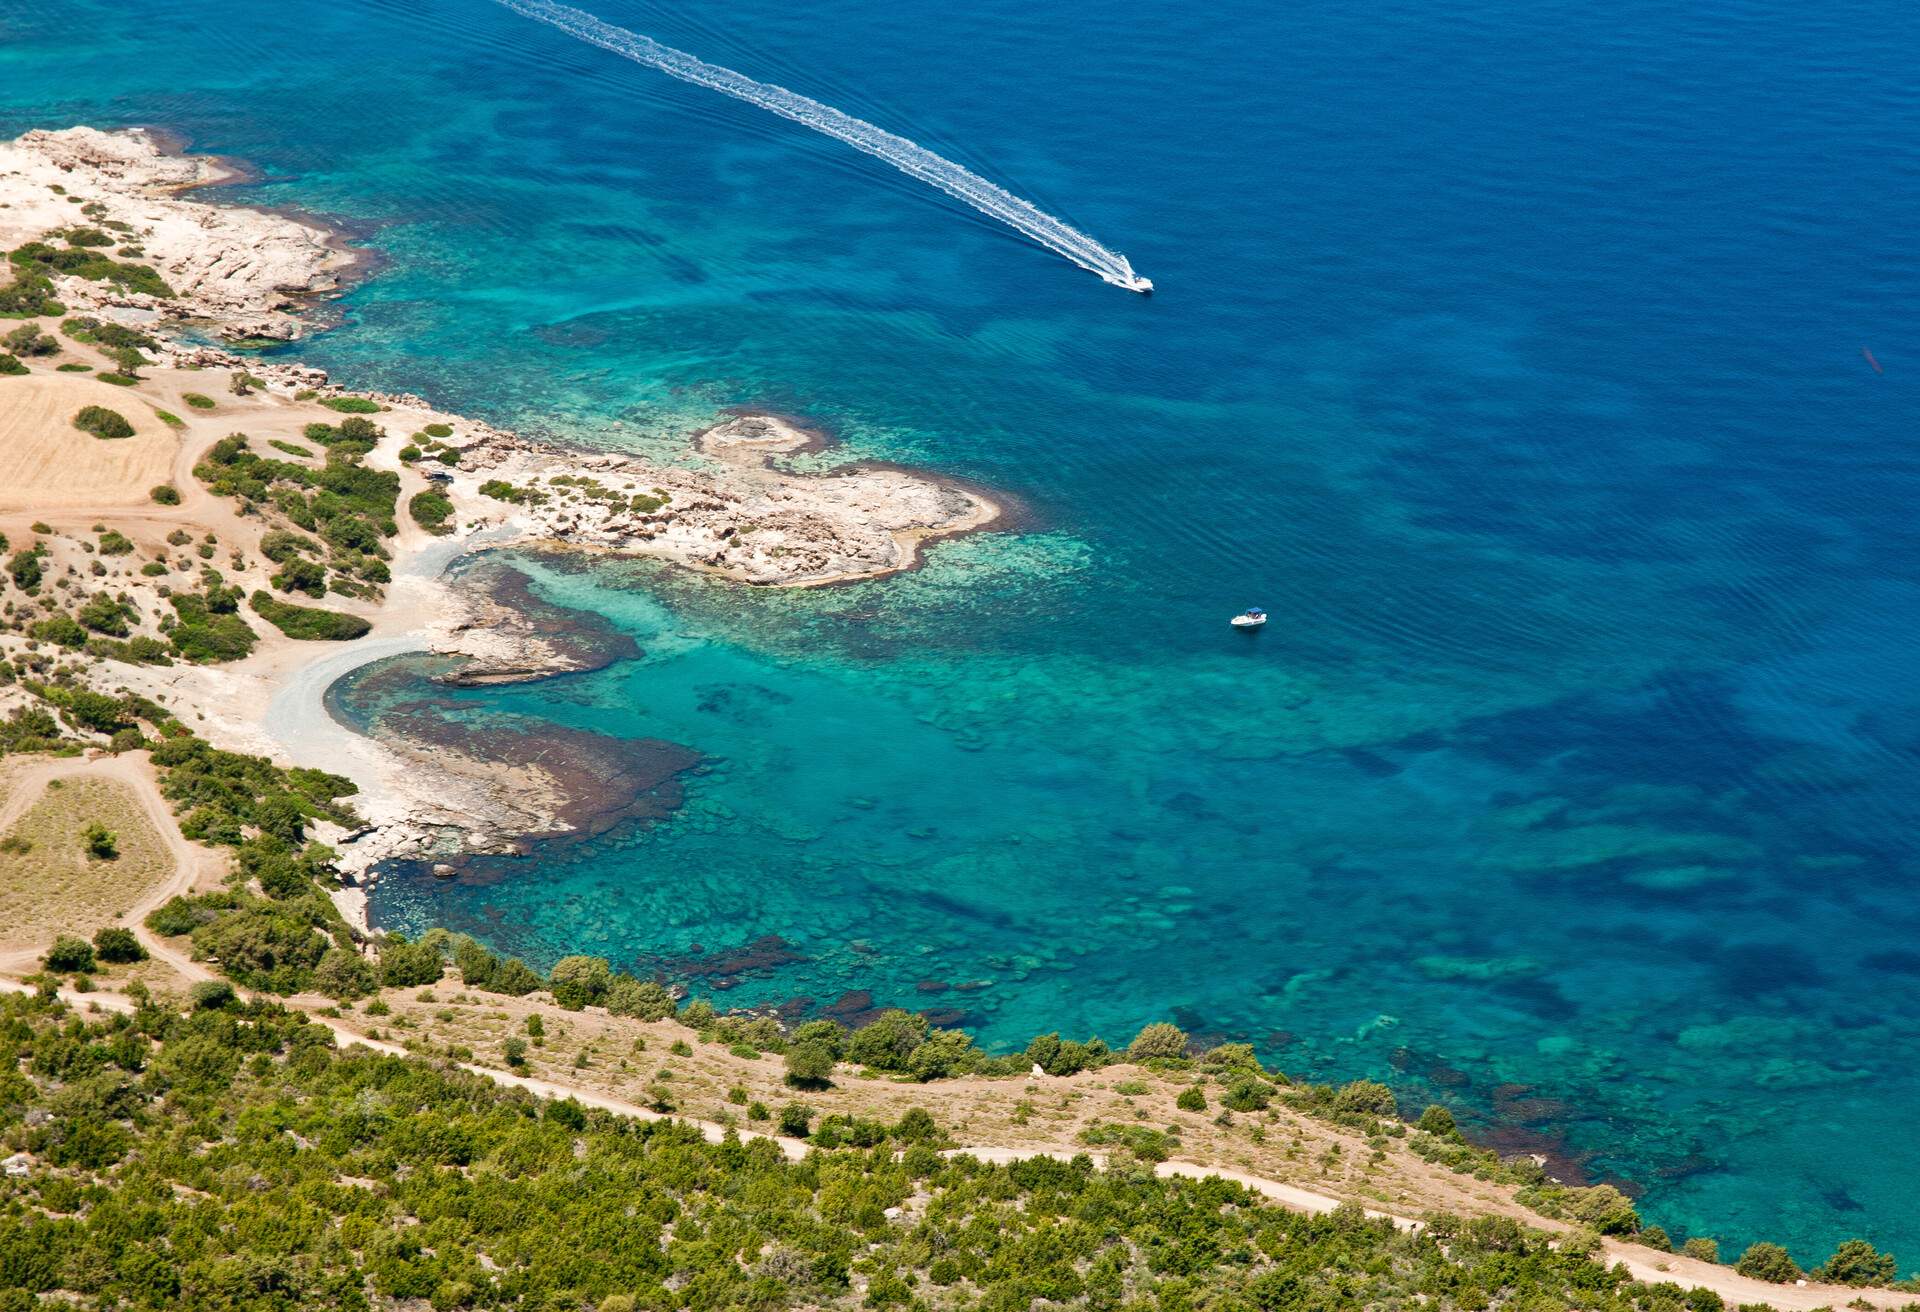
{"type": "Point", "coordinates": [1250, 618]}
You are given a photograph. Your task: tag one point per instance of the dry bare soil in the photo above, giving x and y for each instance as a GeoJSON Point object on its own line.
{"type": "Point", "coordinates": [48, 464]}
{"type": "Point", "coordinates": [49, 885]}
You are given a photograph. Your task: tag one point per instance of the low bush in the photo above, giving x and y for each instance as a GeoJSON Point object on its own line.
{"type": "Point", "coordinates": [101, 842]}
{"type": "Point", "coordinates": [352, 405]}
{"type": "Point", "coordinates": [28, 340]}
{"type": "Point", "coordinates": [1158, 1040]}
{"type": "Point", "coordinates": [431, 510]}
{"type": "Point", "coordinates": [69, 954]}
{"type": "Point", "coordinates": [117, 946]}
{"type": "Point", "coordinates": [165, 494]}
{"type": "Point", "coordinates": [1769, 1262]}
{"type": "Point", "coordinates": [102, 422]}
{"type": "Point", "coordinates": [307, 623]}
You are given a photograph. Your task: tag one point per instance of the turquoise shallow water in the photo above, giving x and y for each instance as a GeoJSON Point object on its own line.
{"type": "Point", "coordinates": [1510, 356]}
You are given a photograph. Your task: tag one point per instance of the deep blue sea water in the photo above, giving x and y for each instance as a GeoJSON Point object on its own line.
{"type": "Point", "coordinates": [1509, 353]}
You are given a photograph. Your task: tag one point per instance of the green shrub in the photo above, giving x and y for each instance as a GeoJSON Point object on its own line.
{"type": "Point", "coordinates": [69, 954]}
{"type": "Point", "coordinates": [10, 366]}
{"type": "Point", "coordinates": [38, 259]}
{"type": "Point", "coordinates": [796, 1119]}
{"type": "Point", "coordinates": [308, 623]}
{"type": "Point", "coordinates": [579, 981]}
{"type": "Point", "coordinates": [515, 979]}
{"type": "Point", "coordinates": [1438, 1121]}
{"type": "Point", "coordinates": [101, 842]}
{"type": "Point", "coordinates": [438, 430]}
{"type": "Point", "coordinates": [116, 945]}
{"type": "Point", "coordinates": [342, 974]}
{"type": "Point", "coordinates": [28, 340]}
{"type": "Point", "coordinates": [102, 422]}
{"type": "Point", "coordinates": [28, 296]}
{"type": "Point", "coordinates": [208, 631]}
{"type": "Point", "coordinates": [627, 996]}
{"type": "Point", "coordinates": [119, 379]}
{"type": "Point", "coordinates": [1701, 1249]}
{"type": "Point", "coordinates": [1143, 1141]}
{"type": "Point", "coordinates": [1368, 1097]}
{"type": "Point", "coordinates": [1158, 1040]}
{"type": "Point", "coordinates": [431, 510]}
{"type": "Point", "coordinates": [166, 494]}
{"type": "Point", "coordinates": [61, 630]}
{"type": "Point", "coordinates": [198, 400]}
{"type": "Point", "coordinates": [352, 405]}
{"type": "Point", "coordinates": [1768, 1262]}
{"type": "Point", "coordinates": [1191, 1099]}
{"type": "Point", "coordinates": [888, 1042]}
{"type": "Point", "coordinates": [406, 965]}
{"type": "Point", "coordinates": [211, 995]}
{"type": "Point", "coordinates": [809, 1064]}
{"type": "Point", "coordinates": [1857, 1262]}
{"type": "Point", "coordinates": [299, 574]}
{"type": "Point", "coordinates": [176, 916]}
{"type": "Point", "coordinates": [501, 490]}
{"type": "Point", "coordinates": [1247, 1094]}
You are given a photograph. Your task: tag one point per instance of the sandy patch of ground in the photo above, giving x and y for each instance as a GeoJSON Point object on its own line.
{"type": "Point", "coordinates": [54, 887]}
{"type": "Point", "coordinates": [46, 463]}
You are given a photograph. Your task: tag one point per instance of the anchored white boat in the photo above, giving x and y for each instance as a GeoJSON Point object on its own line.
{"type": "Point", "coordinates": [1250, 618]}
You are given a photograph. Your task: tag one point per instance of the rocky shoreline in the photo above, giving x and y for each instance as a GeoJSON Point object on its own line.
{"type": "Point", "coordinates": [737, 510]}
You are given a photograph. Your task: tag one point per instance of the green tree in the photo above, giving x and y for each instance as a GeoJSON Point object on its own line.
{"type": "Point", "coordinates": [809, 1065]}
{"type": "Point", "coordinates": [1158, 1040]}
{"type": "Point", "coordinates": [1368, 1097]}
{"type": "Point", "coordinates": [627, 996]}
{"type": "Point", "coordinates": [407, 965]}
{"type": "Point", "coordinates": [211, 995]}
{"type": "Point", "coordinates": [1857, 1262]}
{"type": "Point", "coordinates": [1438, 1121]}
{"type": "Point", "coordinates": [1768, 1262]}
{"type": "Point", "coordinates": [515, 979]}
{"type": "Point", "coordinates": [69, 954]}
{"type": "Point", "coordinates": [114, 944]}
{"type": "Point", "coordinates": [101, 842]}
{"type": "Point", "coordinates": [1702, 1249]}
{"type": "Point", "coordinates": [343, 975]}
{"type": "Point", "coordinates": [1247, 1094]}
{"type": "Point", "coordinates": [579, 981]}
{"type": "Point", "coordinates": [887, 1043]}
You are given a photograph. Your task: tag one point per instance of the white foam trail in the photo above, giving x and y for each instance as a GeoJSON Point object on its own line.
{"type": "Point", "coordinates": [917, 161]}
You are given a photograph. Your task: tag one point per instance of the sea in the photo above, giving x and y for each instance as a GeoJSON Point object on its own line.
{"type": "Point", "coordinates": [1546, 370]}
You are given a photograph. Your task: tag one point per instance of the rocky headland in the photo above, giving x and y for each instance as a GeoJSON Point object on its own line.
{"type": "Point", "coordinates": [117, 228]}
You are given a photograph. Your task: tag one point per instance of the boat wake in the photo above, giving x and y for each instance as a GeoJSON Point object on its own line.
{"type": "Point", "coordinates": [914, 160]}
